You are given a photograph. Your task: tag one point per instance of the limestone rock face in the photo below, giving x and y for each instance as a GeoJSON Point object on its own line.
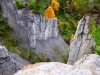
{"type": "Point", "coordinates": [10, 63]}
{"type": "Point", "coordinates": [36, 32]}
{"type": "Point", "coordinates": [82, 43]}
{"type": "Point", "coordinates": [87, 65]}
{"type": "Point", "coordinates": [41, 29]}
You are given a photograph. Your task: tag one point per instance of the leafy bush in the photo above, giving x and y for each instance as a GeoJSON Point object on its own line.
{"type": "Point", "coordinates": [38, 6]}
{"type": "Point", "coordinates": [20, 4]}
{"type": "Point", "coordinates": [84, 6]}
{"type": "Point", "coordinates": [95, 32]}
{"type": "Point", "coordinates": [32, 4]}
{"type": "Point", "coordinates": [67, 26]}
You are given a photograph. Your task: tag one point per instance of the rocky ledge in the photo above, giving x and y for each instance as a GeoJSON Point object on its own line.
{"type": "Point", "coordinates": [87, 65]}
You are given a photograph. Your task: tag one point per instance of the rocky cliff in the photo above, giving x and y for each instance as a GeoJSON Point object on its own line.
{"type": "Point", "coordinates": [82, 43]}
{"type": "Point", "coordinates": [36, 32]}
{"type": "Point", "coordinates": [88, 65]}
{"type": "Point", "coordinates": [9, 62]}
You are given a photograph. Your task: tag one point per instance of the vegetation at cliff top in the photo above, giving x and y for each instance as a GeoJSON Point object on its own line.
{"type": "Point", "coordinates": [68, 12]}
{"type": "Point", "coordinates": [20, 4]}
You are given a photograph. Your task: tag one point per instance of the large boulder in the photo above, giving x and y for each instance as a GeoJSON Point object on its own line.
{"type": "Point", "coordinates": [9, 62]}
{"type": "Point", "coordinates": [36, 32]}
{"type": "Point", "coordinates": [87, 65]}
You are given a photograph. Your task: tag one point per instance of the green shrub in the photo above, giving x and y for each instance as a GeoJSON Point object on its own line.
{"type": "Point", "coordinates": [84, 6]}
{"type": "Point", "coordinates": [20, 4]}
{"type": "Point", "coordinates": [95, 32]}
{"type": "Point", "coordinates": [67, 26]}
{"type": "Point", "coordinates": [32, 4]}
{"type": "Point", "coordinates": [38, 6]}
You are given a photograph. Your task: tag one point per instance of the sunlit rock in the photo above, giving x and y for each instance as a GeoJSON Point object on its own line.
{"type": "Point", "coordinates": [87, 65]}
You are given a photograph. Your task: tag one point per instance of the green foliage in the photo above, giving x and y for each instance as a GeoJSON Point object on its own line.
{"type": "Point", "coordinates": [92, 28]}
{"type": "Point", "coordinates": [84, 6]}
{"type": "Point", "coordinates": [95, 32]}
{"type": "Point", "coordinates": [20, 4]}
{"type": "Point", "coordinates": [29, 55]}
{"type": "Point", "coordinates": [32, 4]}
{"type": "Point", "coordinates": [58, 53]}
{"type": "Point", "coordinates": [67, 26]}
{"type": "Point", "coordinates": [38, 6]}
{"type": "Point", "coordinates": [32, 57]}
{"type": "Point", "coordinates": [62, 6]}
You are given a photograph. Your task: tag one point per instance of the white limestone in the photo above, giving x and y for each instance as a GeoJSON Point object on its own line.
{"type": "Point", "coordinates": [88, 65]}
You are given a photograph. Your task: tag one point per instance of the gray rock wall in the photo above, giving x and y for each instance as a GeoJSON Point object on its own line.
{"type": "Point", "coordinates": [10, 13]}
{"type": "Point", "coordinates": [41, 29]}
{"type": "Point", "coordinates": [36, 32]}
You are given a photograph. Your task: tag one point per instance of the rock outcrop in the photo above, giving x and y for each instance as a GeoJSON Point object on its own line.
{"type": "Point", "coordinates": [36, 32]}
{"type": "Point", "coordinates": [82, 43]}
{"type": "Point", "coordinates": [9, 62]}
{"type": "Point", "coordinates": [87, 65]}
